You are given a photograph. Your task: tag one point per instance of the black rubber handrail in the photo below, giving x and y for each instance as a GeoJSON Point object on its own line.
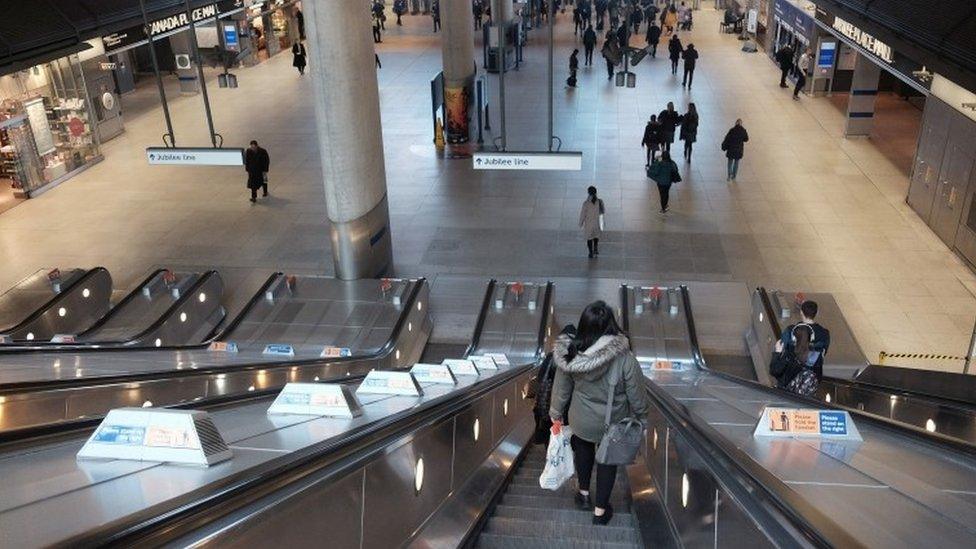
{"type": "Point", "coordinates": [546, 320]}
{"type": "Point", "coordinates": [49, 304]}
{"type": "Point", "coordinates": [121, 304]}
{"type": "Point", "coordinates": [97, 347]}
{"type": "Point", "coordinates": [937, 441]}
{"type": "Point", "coordinates": [482, 316]}
{"type": "Point", "coordinates": [178, 304]}
{"type": "Point", "coordinates": [62, 427]}
{"type": "Point", "coordinates": [942, 401]}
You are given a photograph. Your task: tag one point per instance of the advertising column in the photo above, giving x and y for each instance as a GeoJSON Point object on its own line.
{"type": "Point", "coordinates": [457, 49]}
{"type": "Point", "coordinates": [347, 109]}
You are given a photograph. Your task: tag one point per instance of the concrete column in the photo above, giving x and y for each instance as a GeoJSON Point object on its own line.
{"type": "Point", "coordinates": [501, 10]}
{"type": "Point", "coordinates": [270, 40]}
{"type": "Point", "coordinates": [457, 49]}
{"type": "Point", "coordinates": [183, 52]}
{"type": "Point", "coordinates": [864, 92]}
{"type": "Point", "coordinates": [347, 109]}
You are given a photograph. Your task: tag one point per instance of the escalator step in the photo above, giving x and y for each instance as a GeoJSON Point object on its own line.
{"type": "Point", "coordinates": [563, 531]}
{"type": "Point", "coordinates": [560, 516]}
{"type": "Point", "coordinates": [497, 541]}
{"type": "Point", "coordinates": [567, 490]}
{"type": "Point", "coordinates": [555, 501]}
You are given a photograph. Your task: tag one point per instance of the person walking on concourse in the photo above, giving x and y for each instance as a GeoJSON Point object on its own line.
{"type": "Point", "coordinates": [689, 129]}
{"type": "Point", "coordinates": [675, 50]}
{"type": "Point", "coordinates": [590, 221]}
{"type": "Point", "coordinates": [256, 164]}
{"type": "Point", "coordinates": [585, 362]}
{"type": "Point", "coordinates": [734, 146]}
{"type": "Point", "coordinates": [589, 42]}
{"type": "Point", "coordinates": [652, 139]}
{"type": "Point", "coordinates": [690, 55]}
{"type": "Point", "coordinates": [298, 57]}
{"type": "Point", "coordinates": [653, 36]}
{"type": "Point", "coordinates": [665, 173]}
{"type": "Point", "coordinates": [785, 59]}
{"type": "Point", "coordinates": [669, 119]}
{"type": "Point", "coordinates": [802, 66]}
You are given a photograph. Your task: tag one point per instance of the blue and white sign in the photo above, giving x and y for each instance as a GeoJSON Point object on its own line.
{"type": "Point", "coordinates": [806, 423]}
{"type": "Point", "coordinates": [230, 38]}
{"type": "Point", "coordinates": [194, 156]}
{"type": "Point", "coordinates": [833, 423]}
{"type": "Point", "coordinates": [223, 347]}
{"type": "Point", "coordinates": [563, 161]}
{"type": "Point", "coordinates": [279, 349]}
{"type": "Point", "coordinates": [433, 373]}
{"type": "Point", "coordinates": [389, 383]}
{"type": "Point", "coordinates": [336, 352]}
{"type": "Point", "coordinates": [483, 362]}
{"type": "Point", "coordinates": [460, 367]}
{"type": "Point", "coordinates": [316, 399]}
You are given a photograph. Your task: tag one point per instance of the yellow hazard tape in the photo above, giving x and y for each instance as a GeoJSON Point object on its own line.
{"type": "Point", "coordinates": [921, 356]}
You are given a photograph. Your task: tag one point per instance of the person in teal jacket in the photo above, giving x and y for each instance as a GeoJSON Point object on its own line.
{"type": "Point", "coordinates": [665, 173]}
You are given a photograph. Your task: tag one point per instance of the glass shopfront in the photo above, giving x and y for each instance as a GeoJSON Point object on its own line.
{"type": "Point", "coordinates": [46, 130]}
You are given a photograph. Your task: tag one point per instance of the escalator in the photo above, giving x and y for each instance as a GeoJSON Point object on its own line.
{"type": "Point", "coordinates": [165, 309]}
{"type": "Point", "coordinates": [402, 469]}
{"type": "Point", "coordinates": [36, 395]}
{"type": "Point", "coordinates": [937, 402]}
{"type": "Point", "coordinates": [53, 302]}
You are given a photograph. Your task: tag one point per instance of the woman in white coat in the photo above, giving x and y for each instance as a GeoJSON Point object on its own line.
{"type": "Point", "coordinates": [589, 221]}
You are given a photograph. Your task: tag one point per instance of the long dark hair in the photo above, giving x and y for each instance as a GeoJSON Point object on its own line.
{"type": "Point", "coordinates": [591, 190]}
{"type": "Point", "coordinates": [801, 342]}
{"type": "Point", "coordinates": [692, 111]}
{"type": "Point", "coordinates": [596, 321]}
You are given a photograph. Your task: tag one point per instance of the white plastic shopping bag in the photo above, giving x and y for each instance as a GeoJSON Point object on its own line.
{"type": "Point", "coordinates": [559, 461]}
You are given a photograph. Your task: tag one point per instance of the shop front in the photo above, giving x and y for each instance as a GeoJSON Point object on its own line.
{"type": "Point", "coordinates": [273, 26]}
{"type": "Point", "coordinates": [47, 128]}
{"type": "Point", "coordinates": [792, 25]}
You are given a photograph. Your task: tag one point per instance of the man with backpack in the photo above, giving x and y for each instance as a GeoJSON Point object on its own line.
{"type": "Point", "coordinates": [797, 362]}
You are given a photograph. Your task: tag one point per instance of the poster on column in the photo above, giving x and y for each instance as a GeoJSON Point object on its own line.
{"type": "Point", "coordinates": [456, 105]}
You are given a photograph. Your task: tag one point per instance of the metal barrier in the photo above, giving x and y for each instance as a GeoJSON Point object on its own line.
{"type": "Point", "coordinates": [917, 356]}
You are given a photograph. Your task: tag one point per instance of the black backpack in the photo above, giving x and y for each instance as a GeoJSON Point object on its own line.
{"type": "Point", "coordinates": [785, 366]}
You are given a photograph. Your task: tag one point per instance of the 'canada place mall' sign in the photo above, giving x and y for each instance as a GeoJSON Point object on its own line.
{"type": "Point", "coordinates": [865, 40]}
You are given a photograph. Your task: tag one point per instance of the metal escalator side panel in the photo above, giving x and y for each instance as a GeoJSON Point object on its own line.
{"type": "Point", "coordinates": [196, 313]}
{"type": "Point", "coordinates": [78, 306]}
{"type": "Point", "coordinates": [32, 292]}
{"type": "Point", "coordinates": [227, 333]}
{"type": "Point", "coordinates": [121, 308]}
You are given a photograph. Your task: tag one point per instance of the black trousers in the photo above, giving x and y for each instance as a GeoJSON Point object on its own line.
{"type": "Point", "coordinates": [688, 146]}
{"type": "Point", "coordinates": [584, 457]}
{"type": "Point", "coordinates": [784, 72]}
{"type": "Point", "coordinates": [588, 55]}
{"type": "Point", "coordinates": [674, 66]}
{"type": "Point", "coordinates": [437, 23]}
{"type": "Point", "coordinates": [254, 192]}
{"type": "Point", "coordinates": [651, 153]}
{"type": "Point", "coordinates": [376, 35]}
{"type": "Point", "coordinates": [609, 70]}
{"type": "Point", "coordinates": [689, 76]}
{"type": "Point", "coordinates": [593, 245]}
{"type": "Point", "coordinates": [654, 49]}
{"type": "Point", "coordinates": [665, 191]}
{"type": "Point", "coordinates": [801, 81]}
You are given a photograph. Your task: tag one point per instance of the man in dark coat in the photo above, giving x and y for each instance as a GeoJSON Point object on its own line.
{"type": "Point", "coordinates": [589, 42]}
{"type": "Point", "coordinates": [669, 119]}
{"type": "Point", "coordinates": [256, 164]}
{"type": "Point", "coordinates": [674, 50]}
{"type": "Point", "coordinates": [734, 146]}
{"type": "Point", "coordinates": [785, 59]}
{"type": "Point", "coordinates": [690, 55]}
{"type": "Point", "coordinates": [653, 36]}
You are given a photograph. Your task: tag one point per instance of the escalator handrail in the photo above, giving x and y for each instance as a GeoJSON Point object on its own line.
{"type": "Point", "coordinates": [540, 351]}
{"type": "Point", "coordinates": [97, 347]}
{"type": "Point", "coordinates": [943, 401]}
{"type": "Point", "coordinates": [50, 385]}
{"type": "Point", "coordinates": [175, 307]}
{"type": "Point", "coordinates": [936, 441]}
{"type": "Point", "coordinates": [482, 316]}
{"type": "Point", "coordinates": [121, 304]}
{"type": "Point", "coordinates": [225, 334]}
{"type": "Point", "coordinates": [49, 304]}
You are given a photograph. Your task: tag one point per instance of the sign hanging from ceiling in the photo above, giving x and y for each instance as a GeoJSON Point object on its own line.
{"type": "Point", "coordinates": [158, 28]}
{"type": "Point", "coordinates": [193, 156]}
{"type": "Point", "coordinates": [568, 161]}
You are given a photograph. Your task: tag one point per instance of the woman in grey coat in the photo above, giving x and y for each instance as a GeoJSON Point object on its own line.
{"type": "Point", "coordinates": [582, 381]}
{"type": "Point", "coordinates": [589, 221]}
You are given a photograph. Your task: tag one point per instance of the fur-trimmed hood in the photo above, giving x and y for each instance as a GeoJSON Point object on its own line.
{"type": "Point", "coordinates": [594, 359]}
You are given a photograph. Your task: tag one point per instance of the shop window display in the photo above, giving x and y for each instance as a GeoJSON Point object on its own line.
{"type": "Point", "coordinates": [45, 126]}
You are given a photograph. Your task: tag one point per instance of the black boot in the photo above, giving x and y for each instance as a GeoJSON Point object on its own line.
{"type": "Point", "coordinates": [604, 519]}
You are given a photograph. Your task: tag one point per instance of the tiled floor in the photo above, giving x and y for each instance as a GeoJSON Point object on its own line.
{"type": "Point", "coordinates": [811, 210]}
